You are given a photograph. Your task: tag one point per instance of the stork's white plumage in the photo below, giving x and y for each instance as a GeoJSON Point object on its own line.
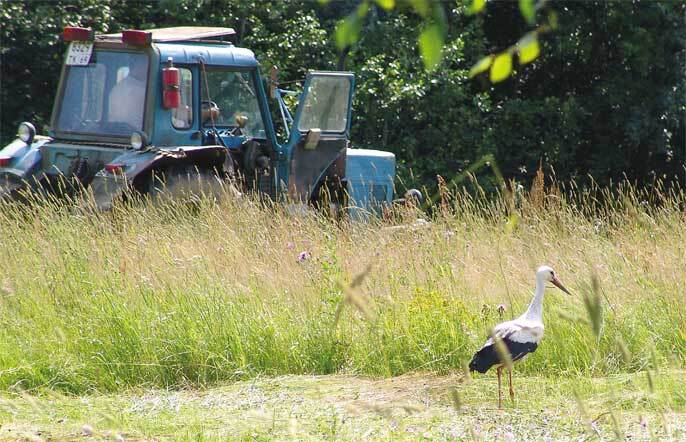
{"type": "Point", "coordinates": [521, 336]}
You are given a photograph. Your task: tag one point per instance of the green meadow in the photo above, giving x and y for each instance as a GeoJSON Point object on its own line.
{"type": "Point", "coordinates": [100, 309]}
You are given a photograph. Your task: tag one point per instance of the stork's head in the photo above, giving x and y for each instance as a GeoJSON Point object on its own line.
{"type": "Point", "coordinates": [546, 274]}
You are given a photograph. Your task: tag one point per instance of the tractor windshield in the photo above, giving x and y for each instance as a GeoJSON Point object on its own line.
{"type": "Point", "coordinates": [231, 94]}
{"type": "Point", "coordinates": [106, 97]}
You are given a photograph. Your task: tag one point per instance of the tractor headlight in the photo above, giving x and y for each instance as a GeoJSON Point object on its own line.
{"type": "Point", "coordinates": [139, 140]}
{"type": "Point", "coordinates": [26, 132]}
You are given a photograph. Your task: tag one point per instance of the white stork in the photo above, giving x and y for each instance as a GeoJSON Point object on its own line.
{"type": "Point", "coordinates": [521, 336]}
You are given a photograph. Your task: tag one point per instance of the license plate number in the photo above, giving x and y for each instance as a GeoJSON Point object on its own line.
{"type": "Point", "coordinates": [79, 53]}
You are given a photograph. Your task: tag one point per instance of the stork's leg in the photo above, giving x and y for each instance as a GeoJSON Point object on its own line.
{"type": "Point", "coordinates": [500, 389]}
{"type": "Point", "coordinates": [511, 387]}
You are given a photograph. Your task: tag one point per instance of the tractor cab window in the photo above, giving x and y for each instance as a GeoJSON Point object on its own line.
{"type": "Point", "coordinates": [106, 97]}
{"type": "Point", "coordinates": [227, 96]}
{"type": "Point", "coordinates": [182, 116]}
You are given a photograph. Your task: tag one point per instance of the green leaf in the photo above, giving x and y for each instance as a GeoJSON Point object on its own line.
{"type": "Point", "coordinates": [421, 6]}
{"type": "Point", "coordinates": [476, 7]}
{"type": "Point", "coordinates": [552, 19]}
{"type": "Point", "coordinates": [386, 4]}
{"type": "Point", "coordinates": [481, 66]}
{"type": "Point", "coordinates": [528, 48]}
{"type": "Point", "coordinates": [347, 32]}
{"type": "Point", "coordinates": [502, 67]}
{"type": "Point", "coordinates": [362, 10]}
{"type": "Point", "coordinates": [526, 7]}
{"type": "Point", "coordinates": [431, 45]}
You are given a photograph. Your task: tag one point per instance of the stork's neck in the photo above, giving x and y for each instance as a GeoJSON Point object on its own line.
{"type": "Point", "coordinates": [535, 310]}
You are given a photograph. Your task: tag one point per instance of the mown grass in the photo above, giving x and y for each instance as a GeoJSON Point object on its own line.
{"type": "Point", "coordinates": [335, 407]}
{"type": "Point", "coordinates": [174, 295]}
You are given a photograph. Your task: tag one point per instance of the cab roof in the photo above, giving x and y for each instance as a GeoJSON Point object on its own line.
{"type": "Point", "coordinates": [191, 44]}
{"type": "Point", "coordinates": [179, 34]}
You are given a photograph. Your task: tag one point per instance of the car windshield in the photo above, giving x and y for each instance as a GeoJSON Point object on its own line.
{"type": "Point", "coordinates": [106, 97]}
{"type": "Point", "coordinates": [229, 95]}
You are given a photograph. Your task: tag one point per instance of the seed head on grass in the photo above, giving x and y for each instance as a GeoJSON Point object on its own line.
{"type": "Point", "coordinates": [354, 298]}
{"type": "Point", "coordinates": [583, 411]}
{"type": "Point", "coordinates": [503, 352]}
{"type": "Point", "coordinates": [616, 427]}
{"type": "Point", "coordinates": [624, 350]}
{"type": "Point", "coordinates": [651, 382]}
{"type": "Point", "coordinates": [455, 398]}
{"type": "Point", "coordinates": [466, 374]}
{"type": "Point", "coordinates": [594, 307]}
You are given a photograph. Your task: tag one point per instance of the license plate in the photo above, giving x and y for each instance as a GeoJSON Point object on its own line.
{"type": "Point", "coordinates": [79, 53]}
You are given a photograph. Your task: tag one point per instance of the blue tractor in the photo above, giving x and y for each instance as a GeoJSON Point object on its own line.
{"type": "Point", "coordinates": [141, 111]}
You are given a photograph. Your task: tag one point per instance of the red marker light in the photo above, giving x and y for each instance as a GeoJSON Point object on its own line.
{"type": "Point", "coordinates": [115, 168]}
{"type": "Point", "coordinates": [72, 33]}
{"type": "Point", "coordinates": [5, 161]}
{"type": "Point", "coordinates": [136, 38]}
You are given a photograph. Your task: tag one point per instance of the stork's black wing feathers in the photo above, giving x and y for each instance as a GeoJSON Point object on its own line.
{"type": "Point", "coordinates": [488, 356]}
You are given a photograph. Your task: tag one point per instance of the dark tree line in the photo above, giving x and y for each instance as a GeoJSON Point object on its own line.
{"type": "Point", "coordinates": [606, 97]}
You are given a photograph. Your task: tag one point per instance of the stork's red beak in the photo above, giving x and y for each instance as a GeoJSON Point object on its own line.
{"type": "Point", "coordinates": [559, 285]}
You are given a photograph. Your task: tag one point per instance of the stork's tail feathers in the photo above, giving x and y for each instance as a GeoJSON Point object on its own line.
{"type": "Point", "coordinates": [488, 356]}
{"type": "Point", "coordinates": [484, 359]}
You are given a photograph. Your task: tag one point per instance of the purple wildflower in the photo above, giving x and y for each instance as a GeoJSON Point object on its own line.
{"type": "Point", "coordinates": [304, 256]}
{"type": "Point", "coordinates": [644, 423]}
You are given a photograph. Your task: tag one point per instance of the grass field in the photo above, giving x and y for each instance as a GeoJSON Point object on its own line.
{"type": "Point", "coordinates": [186, 298]}
{"type": "Point", "coordinates": [411, 407]}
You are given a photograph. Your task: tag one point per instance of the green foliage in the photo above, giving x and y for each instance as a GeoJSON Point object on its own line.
{"type": "Point", "coordinates": [528, 48]}
{"type": "Point", "coordinates": [348, 30]}
{"type": "Point", "coordinates": [386, 4]}
{"type": "Point", "coordinates": [430, 40]}
{"type": "Point", "coordinates": [476, 6]}
{"type": "Point", "coordinates": [481, 66]}
{"type": "Point", "coordinates": [527, 45]}
{"type": "Point", "coordinates": [431, 45]}
{"type": "Point", "coordinates": [528, 10]}
{"type": "Point", "coordinates": [602, 95]}
{"type": "Point", "coordinates": [501, 67]}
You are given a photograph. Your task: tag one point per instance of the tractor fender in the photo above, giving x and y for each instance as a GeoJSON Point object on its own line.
{"type": "Point", "coordinates": [130, 168]}
{"type": "Point", "coordinates": [25, 161]}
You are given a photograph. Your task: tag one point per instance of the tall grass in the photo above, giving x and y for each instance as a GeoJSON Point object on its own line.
{"type": "Point", "coordinates": [175, 294]}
